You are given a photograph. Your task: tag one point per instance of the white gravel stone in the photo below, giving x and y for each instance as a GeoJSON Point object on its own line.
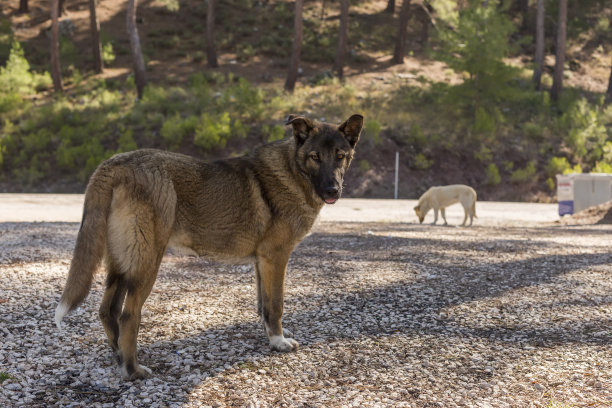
{"type": "Point", "coordinates": [387, 314]}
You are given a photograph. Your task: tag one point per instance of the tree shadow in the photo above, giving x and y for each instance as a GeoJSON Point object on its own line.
{"type": "Point", "coordinates": [418, 304]}
{"type": "Point", "coordinates": [440, 288]}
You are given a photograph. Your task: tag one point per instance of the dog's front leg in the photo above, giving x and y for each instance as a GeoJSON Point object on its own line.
{"type": "Point", "coordinates": [443, 212]}
{"type": "Point", "coordinates": [271, 266]}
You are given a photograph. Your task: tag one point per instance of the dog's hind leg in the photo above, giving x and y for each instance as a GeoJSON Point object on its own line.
{"type": "Point", "coordinates": [138, 235]}
{"type": "Point", "coordinates": [112, 303]}
{"type": "Point", "coordinates": [465, 216]}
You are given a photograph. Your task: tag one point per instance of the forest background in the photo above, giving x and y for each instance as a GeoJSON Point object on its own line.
{"type": "Point", "coordinates": [501, 95]}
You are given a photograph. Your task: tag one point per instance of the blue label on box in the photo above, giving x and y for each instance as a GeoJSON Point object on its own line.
{"type": "Point", "coordinates": [566, 207]}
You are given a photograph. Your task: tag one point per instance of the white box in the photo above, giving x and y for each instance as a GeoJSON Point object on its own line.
{"type": "Point", "coordinates": [575, 192]}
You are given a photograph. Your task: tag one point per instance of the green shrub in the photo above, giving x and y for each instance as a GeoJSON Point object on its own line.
{"type": "Point", "coordinates": [421, 162]}
{"type": "Point", "coordinates": [245, 52]}
{"type": "Point", "coordinates": [176, 129]}
{"type": "Point", "coordinates": [587, 132]}
{"type": "Point", "coordinates": [550, 183]}
{"type": "Point", "coordinates": [275, 132]}
{"type": "Point", "coordinates": [6, 39]}
{"type": "Point", "coordinates": [371, 131]}
{"type": "Point", "coordinates": [484, 122]}
{"type": "Point", "coordinates": [16, 78]}
{"type": "Point", "coordinates": [126, 142]}
{"type": "Point", "coordinates": [602, 167]}
{"type": "Point", "coordinates": [239, 129]}
{"type": "Point", "coordinates": [68, 52]}
{"type": "Point", "coordinates": [416, 136]}
{"type": "Point", "coordinates": [493, 178]}
{"type": "Point", "coordinates": [484, 154]}
{"type": "Point", "coordinates": [108, 53]}
{"type": "Point", "coordinates": [212, 132]}
{"type": "Point", "coordinates": [524, 175]}
{"type": "Point", "coordinates": [557, 165]}
{"type": "Point", "coordinates": [364, 165]}
{"type": "Point", "coordinates": [243, 99]}
{"type": "Point", "coordinates": [474, 41]}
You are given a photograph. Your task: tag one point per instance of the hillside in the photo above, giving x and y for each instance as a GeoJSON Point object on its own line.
{"type": "Point", "coordinates": [417, 108]}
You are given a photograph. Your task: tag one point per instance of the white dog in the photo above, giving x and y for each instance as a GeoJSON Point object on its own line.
{"type": "Point", "coordinates": [440, 197]}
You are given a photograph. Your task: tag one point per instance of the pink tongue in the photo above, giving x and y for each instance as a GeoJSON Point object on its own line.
{"type": "Point", "coordinates": [331, 200]}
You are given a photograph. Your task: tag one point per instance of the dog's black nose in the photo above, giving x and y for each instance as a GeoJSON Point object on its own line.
{"type": "Point", "coordinates": [332, 191]}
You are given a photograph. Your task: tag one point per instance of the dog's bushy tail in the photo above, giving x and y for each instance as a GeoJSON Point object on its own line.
{"type": "Point", "coordinates": [90, 244]}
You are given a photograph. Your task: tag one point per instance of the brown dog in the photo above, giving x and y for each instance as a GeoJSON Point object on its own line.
{"type": "Point", "coordinates": [261, 206]}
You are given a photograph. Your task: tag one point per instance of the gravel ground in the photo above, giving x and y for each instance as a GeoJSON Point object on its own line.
{"type": "Point", "coordinates": [388, 314]}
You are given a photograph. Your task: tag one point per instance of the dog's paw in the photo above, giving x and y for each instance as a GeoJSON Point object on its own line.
{"type": "Point", "coordinates": [138, 372]}
{"type": "Point", "coordinates": [283, 344]}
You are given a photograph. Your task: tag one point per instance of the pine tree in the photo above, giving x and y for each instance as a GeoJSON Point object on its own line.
{"type": "Point", "coordinates": [297, 47]}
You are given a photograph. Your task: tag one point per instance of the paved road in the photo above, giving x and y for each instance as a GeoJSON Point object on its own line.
{"type": "Point", "coordinates": [68, 208]}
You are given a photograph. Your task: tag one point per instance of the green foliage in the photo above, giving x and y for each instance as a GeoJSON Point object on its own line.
{"type": "Point", "coordinates": [602, 167]}
{"type": "Point", "coordinates": [16, 77]}
{"type": "Point", "coordinates": [493, 178]}
{"type": "Point", "coordinates": [68, 52]}
{"type": "Point", "coordinates": [475, 42]}
{"type": "Point", "coordinates": [245, 52]}
{"type": "Point", "coordinates": [364, 165]}
{"type": "Point", "coordinates": [176, 129]}
{"type": "Point", "coordinates": [245, 100]}
{"type": "Point", "coordinates": [421, 162]}
{"type": "Point", "coordinates": [170, 6]}
{"type": "Point", "coordinates": [275, 132]}
{"type": "Point", "coordinates": [416, 136]}
{"type": "Point", "coordinates": [212, 131]}
{"type": "Point", "coordinates": [371, 131]}
{"type": "Point", "coordinates": [484, 122]}
{"type": "Point", "coordinates": [4, 376]}
{"type": "Point", "coordinates": [484, 154]}
{"type": "Point", "coordinates": [526, 174]}
{"type": "Point", "coordinates": [557, 165]}
{"type": "Point", "coordinates": [550, 183]}
{"type": "Point", "coordinates": [126, 142]}
{"type": "Point", "coordinates": [108, 53]}
{"type": "Point", "coordinates": [6, 39]}
{"type": "Point", "coordinates": [587, 133]}
{"type": "Point", "coordinates": [577, 169]}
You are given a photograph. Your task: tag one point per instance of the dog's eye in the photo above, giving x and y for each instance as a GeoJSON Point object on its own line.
{"type": "Point", "coordinates": [314, 156]}
{"type": "Point", "coordinates": [341, 156]}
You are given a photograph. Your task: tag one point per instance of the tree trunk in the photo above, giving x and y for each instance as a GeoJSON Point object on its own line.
{"type": "Point", "coordinates": [609, 91]}
{"type": "Point", "coordinates": [539, 55]}
{"type": "Point", "coordinates": [390, 7]}
{"type": "Point", "coordinates": [23, 6]}
{"type": "Point", "coordinates": [342, 38]}
{"type": "Point", "coordinates": [211, 52]}
{"type": "Point", "coordinates": [137, 59]}
{"type": "Point", "coordinates": [60, 8]}
{"type": "Point", "coordinates": [297, 47]}
{"type": "Point", "coordinates": [524, 10]}
{"type": "Point", "coordinates": [56, 71]}
{"type": "Point", "coordinates": [96, 48]}
{"type": "Point", "coordinates": [400, 44]}
{"type": "Point", "coordinates": [560, 55]}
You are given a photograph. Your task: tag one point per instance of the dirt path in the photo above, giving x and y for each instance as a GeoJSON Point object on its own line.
{"type": "Point", "coordinates": [69, 207]}
{"type": "Point", "coordinates": [508, 313]}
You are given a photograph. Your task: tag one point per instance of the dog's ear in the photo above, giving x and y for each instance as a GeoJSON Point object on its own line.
{"type": "Point", "coordinates": [352, 129]}
{"type": "Point", "coordinates": [301, 127]}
